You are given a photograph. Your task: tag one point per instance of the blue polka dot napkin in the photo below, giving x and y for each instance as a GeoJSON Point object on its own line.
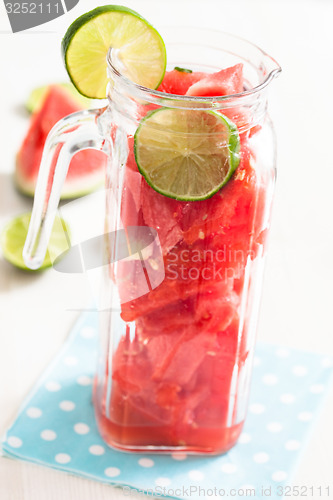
{"type": "Point", "coordinates": [56, 427]}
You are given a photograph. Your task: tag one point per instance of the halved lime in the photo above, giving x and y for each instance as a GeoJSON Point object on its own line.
{"type": "Point", "coordinates": [186, 154]}
{"type": "Point", "coordinates": [13, 237]}
{"type": "Point", "coordinates": [37, 95]}
{"type": "Point", "coordinates": [140, 49]}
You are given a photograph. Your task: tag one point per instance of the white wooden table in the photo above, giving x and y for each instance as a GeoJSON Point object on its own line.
{"type": "Point", "coordinates": [36, 311]}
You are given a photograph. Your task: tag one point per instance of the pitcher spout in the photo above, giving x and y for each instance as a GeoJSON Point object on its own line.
{"type": "Point", "coordinates": [271, 69]}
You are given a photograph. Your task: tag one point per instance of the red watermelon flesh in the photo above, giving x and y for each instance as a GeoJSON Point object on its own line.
{"type": "Point", "coordinates": [225, 82]}
{"type": "Point", "coordinates": [87, 168]}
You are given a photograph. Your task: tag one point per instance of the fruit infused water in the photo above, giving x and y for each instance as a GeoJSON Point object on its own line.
{"type": "Point", "coordinates": [179, 374]}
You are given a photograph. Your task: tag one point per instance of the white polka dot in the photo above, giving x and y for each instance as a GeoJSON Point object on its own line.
{"type": "Point", "coordinates": [270, 379]}
{"type": "Point", "coordinates": [162, 481]}
{"type": "Point", "coordinates": [245, 438]}
{"type": "Point", "coordinates": [112, 472]}
{"type": "Point", "coordinates": [305, 416]}
{"type": "Point", "coordinates": [70, 361]}
{"type": "Point", "coordinates": [274, 427]}
{"type": "Point", "coordinates": [279, 475]}
{"type": "Point", "coordinates": [179, 456]}
{"type": "Point", "coordinates": [146, 462]}
{"type": "Point", "coordinates": [257, 408]}
{"type": "Point", "coordinates": [287, 398]}
{"type": "Point", "coordinates": [81, 428]}
{"type": "Point", "coordinates": [292, 445]}
{"type": "Point", "coordinates": [33, 412]}
{"type": "Point", "coordinates": [14, 442]}
{"type": "Point", "coordinates": [67, 405]}
{"type": "Point", "coordinates": [282, 353]}
{"type": "Point", "coordinates": [48, 435]}
{"type": "Point", "coordinates": [261, 457]}
{"type": "Point", "coordinates": [84, 380]}
{"type": "Point", "coordinates": [52, 386]}
{"type": "Point", "coordinates": [88, 332]}
{"type": "Point", "coordinates": [62, 458]}
{"type": "Point", "coordinates": [327, 362]}
{"type": "Point", "coordinates": [300, 370]}
{"type": "Point", "coordinates": [316, 388]}
{"type": "Point", "coordinates": [256, 361]}
{"type": "Point", "coordinates": [196, 475]}
{"type": "Point", "coordinates": [228, 468]}
{"type": "Point", "coordinates": [97, 449]}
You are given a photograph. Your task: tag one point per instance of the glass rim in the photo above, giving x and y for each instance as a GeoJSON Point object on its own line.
{"type": "Point", "coordinates": [143, 92]}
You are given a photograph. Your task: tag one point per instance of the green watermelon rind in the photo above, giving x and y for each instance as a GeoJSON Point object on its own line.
{"type": "Point", "coordinates": [92, 181]}
{"type": "Point", "coordinates": [234, 155]}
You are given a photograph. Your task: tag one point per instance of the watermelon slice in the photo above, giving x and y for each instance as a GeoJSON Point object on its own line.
{"type": "Point", "coordinates": [87, 168]}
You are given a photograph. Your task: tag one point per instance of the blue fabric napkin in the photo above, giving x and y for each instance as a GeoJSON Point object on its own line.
{"type": "Point", "coordinates": [56, 427]}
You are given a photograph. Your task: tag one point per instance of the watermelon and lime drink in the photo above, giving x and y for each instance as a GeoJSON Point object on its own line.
{"type": "Point", "coordinates": [190, 163]}
{"type": "Point", "coordinates": [178, 374]}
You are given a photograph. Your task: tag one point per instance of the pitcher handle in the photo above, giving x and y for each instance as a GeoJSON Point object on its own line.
{"type": "Point", "coordinates": [73, 133]}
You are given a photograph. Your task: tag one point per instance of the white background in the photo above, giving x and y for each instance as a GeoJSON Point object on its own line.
{"type": "Point", "coordinates": [36, 311]}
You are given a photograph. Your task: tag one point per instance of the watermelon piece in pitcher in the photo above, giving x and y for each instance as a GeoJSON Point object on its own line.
{"type": "Point", "coordinates": [225, 82]}
{"type": "Point", "coordinates": [178, 82]}
{"type": "Point", "coordinates": [87, 168]}
{"type": "Point", "coordinates": [163, 214]}
{"type": "Point", "coordinates": [176, 358]}
{"type": "Point", "coordinates": [130, 368]}
{"type": "Point", "coordinates": [131, 198]}
{"type": "Point", "coordinates": [229, 208]}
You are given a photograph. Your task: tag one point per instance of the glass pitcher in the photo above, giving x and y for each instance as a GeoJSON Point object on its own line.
{"type": "Point", "coordinates": [177, 338]}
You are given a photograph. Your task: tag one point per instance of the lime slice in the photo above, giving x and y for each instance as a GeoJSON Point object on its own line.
{"type": "Point", "coordinates": [37, 95]}
{"type": "Point", "coordinates": [140, 49]}
{"type": "Point", "coordinates": [13, 237]}
{"type": "Point", "coordinates": [186, 154]}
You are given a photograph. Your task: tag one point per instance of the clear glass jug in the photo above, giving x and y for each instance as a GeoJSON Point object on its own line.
{"type": "Point", "coordinates": [177, 338]}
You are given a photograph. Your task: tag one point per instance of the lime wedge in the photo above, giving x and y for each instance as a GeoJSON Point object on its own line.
{"type": "Point", "coordinates": [140, 49]}
{"type": "Point", "coordinates": [36, 96]}
{"type": "Point", "coordinates": [13, 237]}
{"type": "Point", "coordinates": [186, 154]}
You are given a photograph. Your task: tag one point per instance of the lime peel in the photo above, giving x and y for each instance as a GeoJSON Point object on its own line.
{"type": "Point", "coordinates": [187, 155]}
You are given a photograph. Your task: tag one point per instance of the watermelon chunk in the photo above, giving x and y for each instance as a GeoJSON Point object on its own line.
{"type": "Point", "coordinates": [178, 82]}
{"type": "Point", "coordinates": [225, 82]}
{"type": "Point", "coordinates": [87, 168]}
{"type": "Point", "coordinates": [176, 359]}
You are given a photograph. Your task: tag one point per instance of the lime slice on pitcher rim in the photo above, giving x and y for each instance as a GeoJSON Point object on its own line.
{"type": "Point", "coordinates": [140, 49]}
{"type": "Point", "coordinates": [184, 154]}
{"type": "Point", "coordinates": [14, 234]}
